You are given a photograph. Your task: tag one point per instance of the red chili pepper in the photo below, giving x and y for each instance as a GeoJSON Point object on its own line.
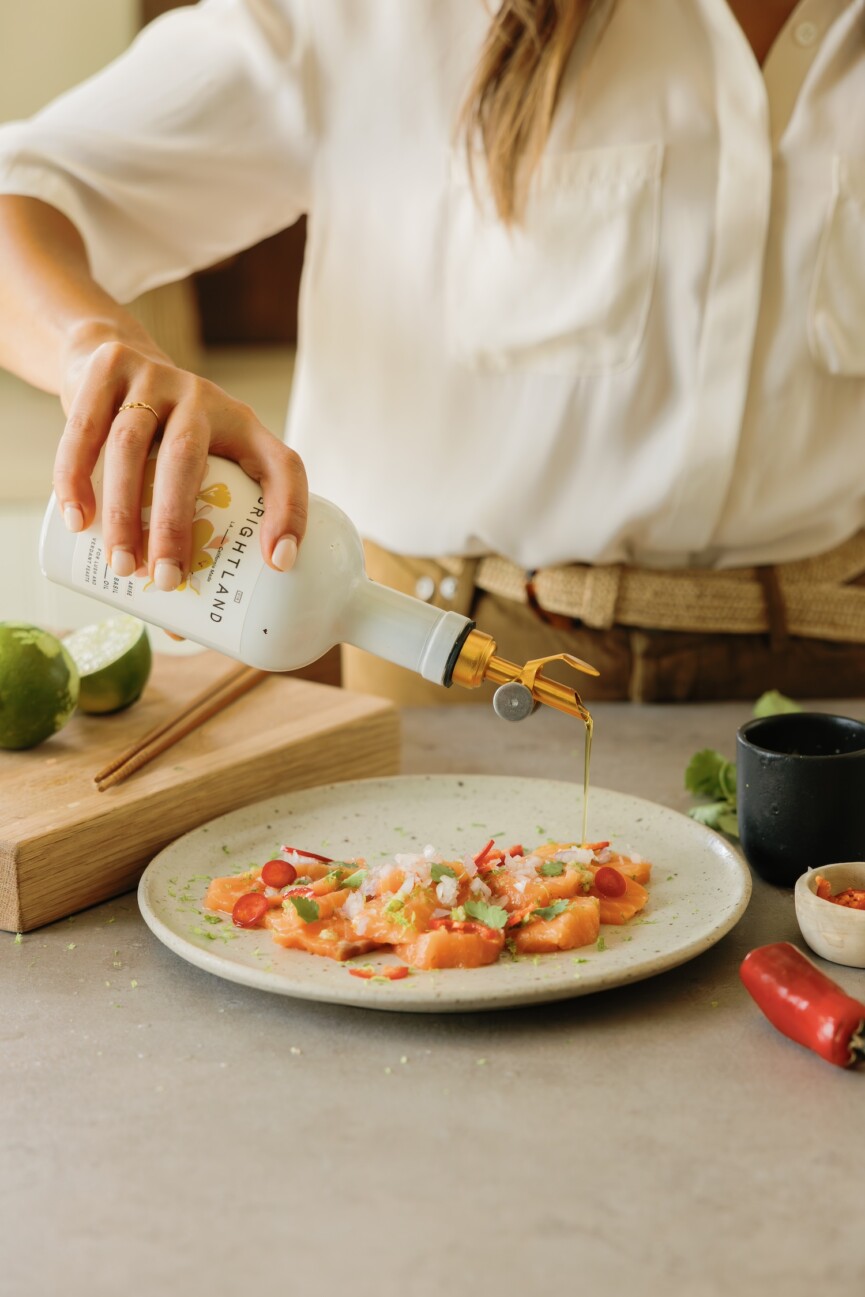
{"type": "Point", "coordinates": [278, 873]}
{"type": "Point", "coordinates": [609, 882]}
{"type": "Point", "coordinates": [393, 972]}
{"type": "Point", "coordinates": [594, 846]}
{"type": "Point", "coordinates": [482, 855]}
{"type": "Point", "coordinates": [804, 1004]}
{"type": "Point", "coordinates": [516, 849]}
{"type": "Point", "coordinates": [310, 855]}
{"type": "Point", "coordinates": [301, 891]}
{"type": "Point", "coordinates": [249, 910]}
{"type": "Point", "coordinates": [516, 917]}
{"type": "Point", "coordinates": [462, 925]}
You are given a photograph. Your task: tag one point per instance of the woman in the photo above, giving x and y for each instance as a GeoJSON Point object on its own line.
{"type": "Point", "coordinates": [582, 322]}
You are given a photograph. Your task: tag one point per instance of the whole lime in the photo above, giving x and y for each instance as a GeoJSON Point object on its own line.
{"type": "Point", "coordinates": [114, 659]}
{"type": "Point", "coordinates": [38, 685]}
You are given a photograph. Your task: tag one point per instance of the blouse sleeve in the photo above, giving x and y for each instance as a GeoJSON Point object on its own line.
{"type": "Point", "coordinates": [195, 143]}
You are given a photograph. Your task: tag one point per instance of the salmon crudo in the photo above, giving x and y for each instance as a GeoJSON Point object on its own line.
{"type": "Point", "coordinates": [435, 912]}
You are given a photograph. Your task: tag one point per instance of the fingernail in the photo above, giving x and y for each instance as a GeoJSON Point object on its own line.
{"type": "Point", "coordinates": [285, 553]}
{"type": "Point", "coordinates": [73, 517]}
{"type": "Point", "coordinates": [122, 562]}
{"type": "Point", "coordinates": [166, 575]}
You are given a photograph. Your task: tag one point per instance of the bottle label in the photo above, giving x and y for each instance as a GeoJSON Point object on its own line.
{"type": "Point", "coordinates": [211, 602]}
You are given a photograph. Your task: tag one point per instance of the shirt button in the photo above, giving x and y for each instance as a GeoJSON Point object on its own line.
{"type": "Point", "coordinates": [448, 588]}
{"type": "Point", "coordinates": [805, 34]}
{"type": "Point", "coordinates": [425, 587]}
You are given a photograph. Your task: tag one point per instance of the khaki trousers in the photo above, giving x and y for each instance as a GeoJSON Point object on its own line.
{"type": "Point", "coordinates": [636, 664]}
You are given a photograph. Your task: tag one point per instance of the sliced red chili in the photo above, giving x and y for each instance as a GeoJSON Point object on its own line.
{"type": "Point", "coordinates": [249, 910]}
{"type": "Point", "coordinates": [310, 855]}
{"type": "Point", "coordinates": [594, 846]}
{"type": "Point", "coordinates": [853, 898]}
{"type": "Point", "coordinates": [805, 1005]}
{"type": "Point", "coordinates": [278, 873]}
{"type": "Point", "coordinates": [462, 925]}
{"type": "Point", "coordinates": [609, 882]}
{"type": "Point", "coordinates": [301, 891]}
{"type": "Point", "coordinates": [516, 849]}
{"type": "Point", "coordinates": [484, 852]}
{"type": "Point", "coordinates": [516, 917]}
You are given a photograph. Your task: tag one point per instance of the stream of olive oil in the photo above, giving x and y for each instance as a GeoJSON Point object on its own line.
{"type": "Point", "coordinates": [587, 760]}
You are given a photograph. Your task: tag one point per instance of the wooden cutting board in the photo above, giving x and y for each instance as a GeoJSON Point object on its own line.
{"type": "Point", "coordinates": [65, 846]}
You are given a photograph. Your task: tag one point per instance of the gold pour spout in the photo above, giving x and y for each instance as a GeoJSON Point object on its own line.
{"type": "Point", "coordinates": [478, 661]}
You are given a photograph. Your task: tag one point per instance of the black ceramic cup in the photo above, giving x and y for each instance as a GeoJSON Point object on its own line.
{"type": "Point", "coordinates": [800, 783]}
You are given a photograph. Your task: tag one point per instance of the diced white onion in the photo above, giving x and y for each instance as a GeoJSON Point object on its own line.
{"type": "Point", "coordinates": [446, 890]}
{"type": "Point", "coordinates": [575, 856]}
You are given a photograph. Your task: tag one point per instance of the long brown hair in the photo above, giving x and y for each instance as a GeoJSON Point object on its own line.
{"type": "Point", "coordinates": [512, 97]}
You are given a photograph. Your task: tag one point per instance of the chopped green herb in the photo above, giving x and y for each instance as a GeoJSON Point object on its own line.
{"type": "Point", "coordinates": [493, 916]}
{"type": "Point", "coordinates": [550, 911]}
{"type": "Point", "coordinates": [196, 932]}
{"type": "Point", "coordinates": [307, 909]}
{"type": "Point", "coordinates": [552, 869]}
{"type": "Point", "coordinates": [602, 945]}
{"type": "Point", "coordinates": [458, 914]}
{"type": "Point", "coordinates": [212, 918]}
{"type": "Point", "coordinates": [354, 880]}
{"type": "Point", "coordinates": [772, 703]}
{"type": "Point", "coordinates": [394, 905]}
{"type": "Point", "coordinates": [439, 872]}
{"type": "Point", "coordinates": [19, 937]}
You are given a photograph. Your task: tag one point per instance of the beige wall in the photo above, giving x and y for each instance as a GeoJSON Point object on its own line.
{"type": "Point", "coordinates": [46, 46]}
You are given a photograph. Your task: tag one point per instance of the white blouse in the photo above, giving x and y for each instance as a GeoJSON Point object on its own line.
{"type": "Point", "coordinates": [664, 365]}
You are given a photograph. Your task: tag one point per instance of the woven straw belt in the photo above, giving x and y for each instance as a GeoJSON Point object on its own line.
{"type": "Point", "coordinates": [812, 597]}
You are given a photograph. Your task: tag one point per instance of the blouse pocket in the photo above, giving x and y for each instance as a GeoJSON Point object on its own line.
{"type": "Point", "coordinates": [569, 289]}
{"type": "Point", "coordinates": [836, 312]}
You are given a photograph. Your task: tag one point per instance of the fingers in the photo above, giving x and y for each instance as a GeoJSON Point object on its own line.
{"type": "Point", "coordinates": [282, 477]}
{"type": "Point", "coordinates": [130, 439]}
{"type": "Point", "coordinates": [195, 419]}
{"type": "Point", "coordinates": [89, 420]}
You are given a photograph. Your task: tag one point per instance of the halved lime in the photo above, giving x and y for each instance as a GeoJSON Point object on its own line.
{"type": "Point", "coordinates": [38, 685]}
{"type": "Point", "coordinates": [114, 660]}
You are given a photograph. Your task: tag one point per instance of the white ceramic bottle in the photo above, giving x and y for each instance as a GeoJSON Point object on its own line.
{"type": "Point", "coordinates": [279, 621]}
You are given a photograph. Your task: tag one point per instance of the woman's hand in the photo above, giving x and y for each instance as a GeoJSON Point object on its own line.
{"type": "Point", "coordinates": [195, 418]}
{"type": "Point", "coordinates": [61, 331]}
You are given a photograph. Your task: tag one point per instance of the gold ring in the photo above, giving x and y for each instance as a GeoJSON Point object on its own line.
{"type": "Point", "coordinates": [139, 405]}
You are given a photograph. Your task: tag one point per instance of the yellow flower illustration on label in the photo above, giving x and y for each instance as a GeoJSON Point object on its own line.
{"type": "Point", "coordinates": [204, 547]}
{"type": "Point", "coordinates": [216, 495]}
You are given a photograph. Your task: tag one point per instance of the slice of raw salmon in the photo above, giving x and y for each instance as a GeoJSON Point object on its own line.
{"type": "Point", "coordinates": [441, 948]}
{"type": "Point", "coordinates": [578, 925]}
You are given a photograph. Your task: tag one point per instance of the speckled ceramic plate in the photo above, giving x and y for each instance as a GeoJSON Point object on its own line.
{"type": "Point", "coordinates": [700, 886]}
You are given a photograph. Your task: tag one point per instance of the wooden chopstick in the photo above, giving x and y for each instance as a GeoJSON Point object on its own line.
{"type": "Point", "coordinates": [203, 706]}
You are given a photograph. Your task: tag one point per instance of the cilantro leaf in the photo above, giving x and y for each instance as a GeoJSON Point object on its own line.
{"type": "Point", "coordinates": [709, 813]}
{"type": "Point", "coordinates": [772, 703]}
{"type": "Point", "coordinates": [493, 916]}
{"type": "Point", "coordinates": [439, 872]}
{"type": "Point", "coordinates": [729, 823]}
{"type": "Point", "coordinates": [703, 773]}
{"type": "Point", "coordinates": [307, 909]}
{"type": "Point", "coordinates": [552, 868]}
{"type": "Point", "coordinates": [550, 911]}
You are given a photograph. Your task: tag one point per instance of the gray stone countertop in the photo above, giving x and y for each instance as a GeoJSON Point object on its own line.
{"type": "Point", "coordinates": [167, 1132]}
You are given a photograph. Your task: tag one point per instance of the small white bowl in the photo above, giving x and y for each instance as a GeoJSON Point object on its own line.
{"type": "Point", "coordinates": [832, 931]}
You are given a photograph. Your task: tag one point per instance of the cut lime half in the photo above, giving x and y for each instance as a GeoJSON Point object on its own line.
{"type": "Point", "coordinates": [38, 685]}
{"type": "Point", "coordinates": [114, 660]}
